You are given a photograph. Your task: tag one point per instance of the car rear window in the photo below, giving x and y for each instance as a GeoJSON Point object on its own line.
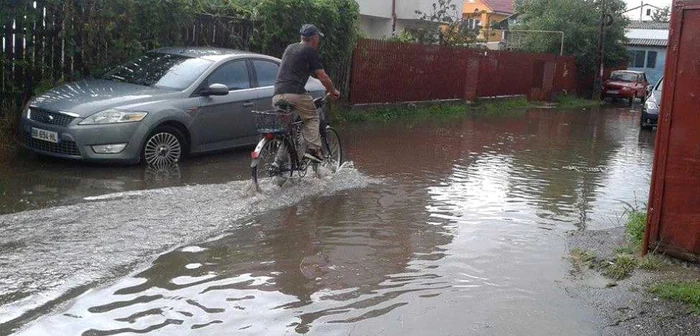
{"type": "Point", "coordinates": [624, 76]}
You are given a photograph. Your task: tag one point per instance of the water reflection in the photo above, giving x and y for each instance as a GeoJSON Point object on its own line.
{"type": "Point", "coordinates": [289, 270]}
{"type": "Point", "coordinates": [465, 236]}
{"type": "Point", "coordinates": [31, 182]}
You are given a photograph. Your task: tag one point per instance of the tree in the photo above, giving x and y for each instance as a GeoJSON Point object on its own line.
{"type": "Point", "coordinates": [444, 24]}
{"type": "Point", "coordinates": [580, 22]}
{"type": "Point", "coordinates": [662, 15]}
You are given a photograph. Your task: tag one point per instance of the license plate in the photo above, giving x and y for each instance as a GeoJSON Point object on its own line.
{"type": "Point", "coordinates": [38, 133]}
{"type": "Point", "coordinates": [613, 92]}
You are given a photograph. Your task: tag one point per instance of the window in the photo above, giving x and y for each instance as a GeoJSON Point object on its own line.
{"type": "Point", "coordinates": [232, 74]}
{"type": "Point", "coordinates": [636, 58]}
{"type": "Point", "coordinates": [160, 70]}
{"type": "Point", "coordinates": [266, 71]}
{"type": "Point", "coordinates": [651, 59]}
{"type": "Point", "coordinates": [648, 12]}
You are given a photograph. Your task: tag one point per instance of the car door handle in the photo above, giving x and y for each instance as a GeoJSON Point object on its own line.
{"type": "Point", "coordinates": [249, 104]}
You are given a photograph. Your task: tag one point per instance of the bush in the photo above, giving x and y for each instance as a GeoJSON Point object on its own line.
{"type": "Point", "coordinates": [278, 23]}
{"type": "Point", "coordinates": [636, 223]}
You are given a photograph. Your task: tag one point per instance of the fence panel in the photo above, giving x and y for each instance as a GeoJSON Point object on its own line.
{"type": "Point", "coordinates": [49, 41]}
{"type": "Point", "coordinates": [388, 72]}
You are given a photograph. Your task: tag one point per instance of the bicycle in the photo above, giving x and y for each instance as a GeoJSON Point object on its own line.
{"type": "Point", "coordinates": [280, 152]}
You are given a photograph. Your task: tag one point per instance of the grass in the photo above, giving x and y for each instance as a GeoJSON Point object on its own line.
{"type": "Point", "coordinates": [686, 291]}
{"type": "Point", "coordinates": [636, 222]}
{"type": "Point", "coordinates": [413, 112]}
{"type": "Point", "coordinates": [444, 110]}
{"type": "Point", "coordinates": [620, 267]}
{"type": "Point", "coordinates": [567, 101]}
{"type": "Point", "coordinates": [651, 263]}
{"type": "Point", "coordinates": [582, 259]}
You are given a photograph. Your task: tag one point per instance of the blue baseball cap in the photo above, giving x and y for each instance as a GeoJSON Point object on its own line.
{"type": "Point", "coordinates": [309, 30]}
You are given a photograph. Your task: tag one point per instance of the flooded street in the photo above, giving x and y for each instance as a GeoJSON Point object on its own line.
{"type": "Point", "coordinates": [451, 227]}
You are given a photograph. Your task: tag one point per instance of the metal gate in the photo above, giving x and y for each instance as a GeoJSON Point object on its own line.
{"type": "Point", "coordinates": [674, 203]}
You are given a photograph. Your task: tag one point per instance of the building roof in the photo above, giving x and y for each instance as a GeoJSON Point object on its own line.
{"type": "Point", "coordinates": [648, 25]}
{"type": "Point", "coordinates": [502, 6]}
{"type": "Point", "coordinates": [647, 42]}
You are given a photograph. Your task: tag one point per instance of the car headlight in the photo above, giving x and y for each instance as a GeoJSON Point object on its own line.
{"type": "Point", "coordinates": [650, 105]}
{"type": "Point", "coordinates": [28, 112]}
{"type": "Point", "coordinates": [113, 117]}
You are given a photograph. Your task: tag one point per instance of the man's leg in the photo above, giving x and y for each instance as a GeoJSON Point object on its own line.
{"type": "Point", "coordinates": [306, 109]}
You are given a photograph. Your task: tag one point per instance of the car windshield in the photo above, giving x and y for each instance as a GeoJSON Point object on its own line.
{"type": "Point", "coordinates": [160, 70]}
{"type": "Point", "coordinates": [624, 77]}
{"type": "Point", "coordinates": [659, 85]}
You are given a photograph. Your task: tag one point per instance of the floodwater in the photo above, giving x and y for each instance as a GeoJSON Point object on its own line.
{"type": "Point", "coordinates": [452, 227]}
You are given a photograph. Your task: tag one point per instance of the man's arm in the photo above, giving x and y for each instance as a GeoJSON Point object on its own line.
{"type": "Point", "coordinates": [327, 82]}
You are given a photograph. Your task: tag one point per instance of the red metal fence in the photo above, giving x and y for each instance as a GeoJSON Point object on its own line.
{"type": "Point", "coordinates": [389, 72]}
{"type": "Point", "coordinates": [673, 223]}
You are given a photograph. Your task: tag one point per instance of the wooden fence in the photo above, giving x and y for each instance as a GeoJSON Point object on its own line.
{"type": "Point", "coordinates": [52, 41]}
{"type": "Point", "coordinates": [389, 72]}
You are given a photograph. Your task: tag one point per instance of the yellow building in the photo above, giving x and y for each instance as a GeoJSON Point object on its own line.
{"type": "Point", "coordinates": [484, 13]}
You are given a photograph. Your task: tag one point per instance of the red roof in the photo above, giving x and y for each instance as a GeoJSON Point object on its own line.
{"type": "Point", "coordinates": [503, 6]}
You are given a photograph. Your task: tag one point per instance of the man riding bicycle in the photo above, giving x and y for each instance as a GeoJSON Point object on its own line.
{"type": "Point", "coordinates": [299, 61]}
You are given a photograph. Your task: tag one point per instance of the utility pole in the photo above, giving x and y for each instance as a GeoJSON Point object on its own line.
{"type": "Point", "coordinates": [597, 83]}
{"type": "Point", "coordinates": [641, 12]}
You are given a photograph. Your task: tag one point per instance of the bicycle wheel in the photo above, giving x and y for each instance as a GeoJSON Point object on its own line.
{"type": "Point", "coordinates": [333, 150]}
{"type": "Point", "coordinates": [273, 161]}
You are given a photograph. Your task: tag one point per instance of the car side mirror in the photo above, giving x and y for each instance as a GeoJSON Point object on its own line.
{"type": "Point", "coordinates": [215, 89]}
{"type": "Point", "coordinates": [650, 88]}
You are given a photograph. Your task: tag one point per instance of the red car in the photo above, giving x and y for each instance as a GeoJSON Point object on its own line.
{"type": "Point", "coordinates": [625, 84]}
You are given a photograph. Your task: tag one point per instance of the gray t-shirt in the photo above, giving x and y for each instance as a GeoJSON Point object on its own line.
{"type": "Point", "coordinates": [299, 61]}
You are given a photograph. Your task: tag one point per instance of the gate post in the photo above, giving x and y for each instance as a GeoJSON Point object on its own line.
{"type": "Point", "coordinates": [471, 84]}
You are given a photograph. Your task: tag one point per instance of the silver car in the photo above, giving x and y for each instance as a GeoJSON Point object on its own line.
{"type": "Point", "coordinates": [157, 108]}
{"type": "Point", "coordinates": [650, 111]}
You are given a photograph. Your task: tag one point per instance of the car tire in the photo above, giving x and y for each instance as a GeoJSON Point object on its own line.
{"type": "Point", "coordinates": [642, 125]}
{"type": "Point", "coordinates": [165, 145]}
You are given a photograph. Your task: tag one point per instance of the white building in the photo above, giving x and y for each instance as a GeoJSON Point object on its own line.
{"type": "Point", "coordinates": [385, 18]}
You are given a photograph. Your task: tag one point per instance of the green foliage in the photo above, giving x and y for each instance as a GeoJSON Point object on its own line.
{"type": "Point", "coordinates": [279, 22]}
{"type": "Point", "coordinates": [636, 222]}
{"type": "Point", "coordinates": [579, 20]}
{"type": "Point", "coordinates": [662, 15]}
{"type": "Point", "coordinates": [99, 34]}
{"type": "Point", "coordinates": [445, 25]}
{"type": "Point", "coordinates": [651, 263]}
{"type": "Point", "coordinates": [412, 112]}
{"type": "Point", "coordinates": [572, 102]}
{"type": "Point", "coordinates": [687, 292]}
{"type": "Point", "coordinates": [620, 267]}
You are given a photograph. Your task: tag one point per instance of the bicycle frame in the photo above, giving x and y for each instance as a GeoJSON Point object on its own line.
{"type": "Point", "coordinates": [289, 139]}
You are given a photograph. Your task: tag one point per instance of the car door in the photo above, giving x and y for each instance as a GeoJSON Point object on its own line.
{"type": "Point", "coordinates": [266, 74]}
{"type": "Point", "coordinates": [224, 121]}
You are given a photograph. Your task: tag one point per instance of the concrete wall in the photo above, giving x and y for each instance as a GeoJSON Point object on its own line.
{"type": "Point", "coordinates": [653, 74]}
{"type": "Point", "coordinates": [658, 34]}
{"type": "Point", "coordinates": [376, 15]}
{"type": "Point", "coordinates": [375, 27]}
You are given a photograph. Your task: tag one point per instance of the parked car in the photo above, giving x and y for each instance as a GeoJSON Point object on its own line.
{"type": "Point", "coordinates": [625, 84]}
{"type": "Point", "coordinates": [156, 108]}
{"type": "Point", "coordinates": [650, 111]}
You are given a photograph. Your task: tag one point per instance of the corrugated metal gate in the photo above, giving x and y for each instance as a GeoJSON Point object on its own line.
{"type": "Point", "coordinates": [390, 72]}
{"type": "Point", "coordinates": [674, 203]}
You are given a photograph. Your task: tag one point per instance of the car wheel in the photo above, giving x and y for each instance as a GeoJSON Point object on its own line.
{"type": "Point", "coordinates": [165, 145]}
{"type": "Point", "coordinates": [642, 125]}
